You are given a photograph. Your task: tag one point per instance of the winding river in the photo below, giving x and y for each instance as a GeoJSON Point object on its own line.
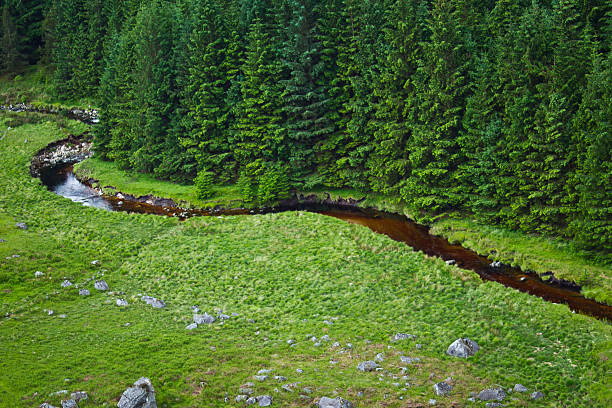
{"type": "Point", "coordinates": [62, 181]}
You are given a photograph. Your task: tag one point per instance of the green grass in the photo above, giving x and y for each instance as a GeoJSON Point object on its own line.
{"type": "Point", "coordinates": [33, 86]}
{"type": "Point", "coordinates": [531, 252]}
{"type": "Point", "coordinates": [289, 272]}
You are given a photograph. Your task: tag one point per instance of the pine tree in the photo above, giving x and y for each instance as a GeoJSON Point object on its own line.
{"type": "Point", "coordinates": [9, 54]}
{"type": "Point", "coordinates": [441, 90]}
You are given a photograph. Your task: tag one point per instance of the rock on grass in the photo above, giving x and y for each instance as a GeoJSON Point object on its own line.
{"type": "Point", "coordinates": [338, 402]}
{"type": "Point", "coordinates": [367, 366]}
{"type": "Point", "coordinates": [491, 394]}
{"type": "Point", "coordinates": [442, 388]}
{"type": "Point", "coordinates": [141, 395]}
{"type": "Point", "coordinates": [463, 348]}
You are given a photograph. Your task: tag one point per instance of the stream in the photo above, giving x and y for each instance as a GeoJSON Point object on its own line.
{"type": "Point", "coordinates": [62, 181]}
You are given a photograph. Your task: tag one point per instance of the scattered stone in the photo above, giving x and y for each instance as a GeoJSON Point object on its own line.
{"type": "Point", "coordinates": [520, 388]}
{"type": "Point", "coordinates": [367, 366]}
{"type": "Point", "coordinates": [50, 312]}
{"type": "Point", "coordinates": [492, 394]}
{"type": "Point", "coordinates": [338, 402]}
{"type": "Point", "coordinates": [317, 344]}
{"type": "Point", "coordinates": [261, 377]}
{"type": "Point", "coordinates": [203, 318]}
{"type": "Point", "coordinates": [349, 346]}
{"type": "Point", "coordinates": [240, 398]}
{"type": "Point", "coordinates": [101, 285]}
{"type": "Point", "coordinates": [246, 391]}
{"type": "Point", "coordinates": [141, 395]}
{"type": "Point", "coordinates": [419, 346]}
{"type": "Point", "coordinates": [432, 402]}
{"type": "Point", "coordinates": [290, 342]}
{"type": "Point", "coordinates": [307, 390]}
{"type": "Point", "coordinates": [287, 387]}
{"type": "Point", "coordinates": [1, 240]}
{"type": "Point", "coordinates": [62, 316]}
{"type": "Point", "coordinates": [46, 405]}
{"type": "Point", "coordinates": [299, 371]}
{"type": "Point", "coordinates": [69, 404]}
{"type": "Point", "coordinates": [251, 401]}
{"type": "Point", "coordinates": [79, 395]}
{"type": "Point", "coordinates": [328, 322]}
{"type": "Point", "coordinates": [121, 302]}
{"type": "Point", "coordinates": [410, 360]}
{"type": "Point", "coordinates": [38, 274]}
{"type": "Point", "coordinates": [537, 395]}
{"type": "Point", "coordinates": [451, 262]}
{"type": "Point", "coordinates": [280, 378]}
{"type": "Point", "coordinates": [442, 388]}
{"type": "Point", "coordinates": [66, 283]}
{"type": "Point", "coordinates": [192, 326]}
{"type": "Point", "coordinates": [264, 400]}
{"type": "Point", "coordinates": [84, 292]}
{"type": "Point", "coordinates": [22, 225]}
{"type": "Point", "coordinates": [403, 336]}
{"type": "Point", "coordinates": [325, 338]}
{"type": "Point", "coordinates": [336, 344]}
{"type": "Point", "coordinates": [380, 357]}
{"type": "Point", "coordinates": [494, 405]}
{"type": "Point", "coordinates": [95, 263]}
{"type": "Point", "coordinates": [222, 316]}
{"type": "Point", "coordinates": [60, 392]}
{"type": "Point", "coordinates": [156, 303]}
{"type": "Point", "coordinates": [463, 348]}
{"type": "Point", "coordinates": [495, 264]}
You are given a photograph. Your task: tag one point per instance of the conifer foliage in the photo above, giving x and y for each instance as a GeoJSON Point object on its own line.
{"type": "Point", "coordinates": [497, 108]}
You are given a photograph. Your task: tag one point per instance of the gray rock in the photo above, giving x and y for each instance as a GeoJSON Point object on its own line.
{"type": "Point", "coordinates": [367, 366]}
{"type": "Point", "coordinates": [203, 318]}
{"type": "Point", "coordinates": [246, 391]}
{"type": "Point", "coordinates": [1, 241]}
{"type": "Point", "coordinates": [22, 225]}
{"type": "Point", "coordinates": [101, 285]}
{"type": "Point", "coordinates": [432, 402]}
{"type": "Point", "coordinates": [60, 392]}
{"type": "Point", "coordinates": [410, 360]}
{"type": "Point", "coordinates": [192, 326]}
{"type": "Point", "coordinates": [451, 262]}
{"type": "Point", "coordinates": [46, 405]}
{"type": "Point", "coordinates": [336, 344]}
{"type": "Point", "coordinates": [38, 274]}
{"type": "Point", "coordinates": [84, 292]}
{"type": "Point", "coordinates": [494, 405]}
{"type": "Point", "coordinates": [463, 348]}
{"type": "Point", "coordinates": [495, 264]}
{"type": "Point", "coordinates": [290, 342]}
{"type": "Point", "coordinates": [251, 401]}
{"type": "Point", "coordinates": [442, 388]}
{"type": "Point", "coordinates": [141, 395]}
{"type": "Point", "coordinates": [380, 357]}
{"type": "Point", "coordinates": [95, 263]}
{"type": "Point", "coordinates": [338, 402]}
{"type": "Point", "coordinates": [299, 371]}
{"type": "Point", "coordinates": [240, 398]}
{"type": "Point", "coordinates": [66, 283]}
{"type": "Point", "coordinates": [222, 316]}
{"type": "Point", "coordinates": [195, 309]}
{"type": "Point", "coordinates": [280, 378]}
{"type": "Point", "coordinates": [69, 404]}
{"type": "Point", "coordinates": [264, 400]}
{"type": "Point", "coordinates": [491, 394]}
{"type": "Point", "coordinates": [520, 388]}
{"type": "Point", "coordinates": [403, 336]}
{"type": "Point", "coordinates": [62, 316]}
{"type": "Point", "coordinates": [121, 302]}
{"type": "Point", "coordinates": [264, 371]}
{"type": "Point", "coordinates": [156, 303]}
{"type": "Point", "coordinates": [261, 377]}
{"type": "Point", "coordinates": [79, 395]}
{"type": "Point", "coordinates": [325, 338]}
{"type": "Point", "coordinates": [537, 395]}
{"type": "Point", "coordinates": [287, 387]}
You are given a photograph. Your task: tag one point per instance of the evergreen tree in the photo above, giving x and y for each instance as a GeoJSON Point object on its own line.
{"type": "Point", "coordinates": [9, 54]}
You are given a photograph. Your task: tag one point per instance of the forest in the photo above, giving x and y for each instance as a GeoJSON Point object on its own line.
{"type": "Point", "coordinates": [500, 109]}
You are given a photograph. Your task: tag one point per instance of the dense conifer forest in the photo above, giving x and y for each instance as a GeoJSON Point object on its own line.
{"type": "Point", "coordinates": [499, 108]}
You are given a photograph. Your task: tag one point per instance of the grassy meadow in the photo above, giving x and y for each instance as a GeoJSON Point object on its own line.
{"type": "Point", "coordinates": [287, 276]}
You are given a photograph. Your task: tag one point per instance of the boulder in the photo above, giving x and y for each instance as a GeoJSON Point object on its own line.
{"type": "Point", "coordinates": [403, 336]}
{"type": "Point", "coordinates": [264, 400]}
{"type": "Point", "coordinates": [69, 404]}
{"type": "Point", "coordinates": [156, 303]}
{"type": "Point", "coordinates": [141, 395]}
{"type": "Point", "coordinates": [101, 285]}
{"type": "Point", "coordinates": [338, 402]}
{"type": "Point", "coordinates": [203, 318]}
{"type": "Point", "coordinates": [492, 394]}
{"type": "Point", "coordinates": [520, 388]}
{"type": "Point", "coordinates": [463, 348]}
{"type": "Point", "coordinates": [367, 366]}
{"type": "Point", "coordinates": [22, 225]}
{"type": "Point", "coordinates": [84, 292]}
{"type": "Point", "coordinates": [442, 388]}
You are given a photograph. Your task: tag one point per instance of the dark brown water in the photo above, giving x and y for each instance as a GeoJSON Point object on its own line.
{"type": "Point", "coordinates": [63, 182]}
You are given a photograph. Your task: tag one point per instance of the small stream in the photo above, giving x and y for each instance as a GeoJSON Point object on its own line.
{"type": "Point", "coordinates": [61, 180]}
